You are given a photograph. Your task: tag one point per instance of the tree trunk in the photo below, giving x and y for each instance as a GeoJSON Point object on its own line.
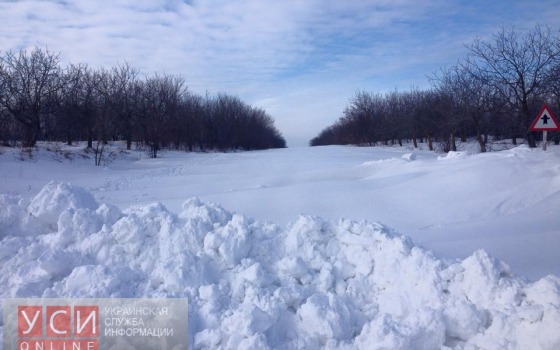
{"type": "Point", "coordinates": [531, 139]}
{"type": "Point", "coordinates": [452, 143]}
{"type": "Point", "coordinates": [481, 142]}
{"type": "Point", "coordinates": [429, 139]}
{"type": "Point", "coordinates": [29, 137]}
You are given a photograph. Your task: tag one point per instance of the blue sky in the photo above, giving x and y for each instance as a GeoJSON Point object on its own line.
{"type": "Point", "coordinates": [301, 60]}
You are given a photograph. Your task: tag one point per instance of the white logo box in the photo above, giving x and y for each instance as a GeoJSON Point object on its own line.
{"type": "Point", "coordinates": [95, 323]}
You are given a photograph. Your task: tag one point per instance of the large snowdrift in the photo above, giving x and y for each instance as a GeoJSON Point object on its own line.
{"type": "Point", "coordinates": [505, 202]}
{"type": "Point", "coordinates": [313, 284]}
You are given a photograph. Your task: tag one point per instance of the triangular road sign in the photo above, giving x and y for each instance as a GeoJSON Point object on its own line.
{"type": "Point", "coordinates": [545, 121]}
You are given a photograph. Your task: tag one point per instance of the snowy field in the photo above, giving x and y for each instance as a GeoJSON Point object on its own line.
{"type": "Point", "coordinates": [328, 247]}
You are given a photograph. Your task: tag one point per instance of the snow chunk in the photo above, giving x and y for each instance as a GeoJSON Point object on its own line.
{"type": "Point", "coordinates": [486, 281]}
{"type": "Point", "coordinates": [453, 155]}
{"type": "Point", "coordinates": [97, 281]}
{"type": "Point", "coordinates": [10, 214]}
{"type": "Point", "coordinates": [409, 157]}
{"type": "Point", "coordinates": [247, 320]}
{"type": "Point", "coordinates": [384, 333]}
{"type": "Point", "coordinates": [230, 243]}
{"type": "Point", "coordinates": [314, 284]}
{"type": "Point", "coordinates": [326, 316]}
{"type": "Point", "coordinates": [54, 198]}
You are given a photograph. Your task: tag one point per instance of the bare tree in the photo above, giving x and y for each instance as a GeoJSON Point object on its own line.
{"type": "Point", "coordinates": [78, 104]}
{"type": "Point", "coordinates": [397, 114]}
{"type": "Point", "coordinates": [191, 123]}
{"type": "Point", "coordinates": [103, 119]}
{"type": "Point", "coordinates": [518, 66]}
{"type": "Point", "coordinates": [39, 100]}
{"type": "Point", "coordinates": [362, 118]}
{"type": "Point", "coordinates": [161, 99]}
{"type": "Point", "coordinates": [5, 120]}
{"type": "Point", "coordinates": [555, 83]}
{"type": "Point", "coordinates": [124, 98]}
{"type": "Point", "coordinates": [30, 80]}
{"type": "Point", "coordinates": [472, 98]}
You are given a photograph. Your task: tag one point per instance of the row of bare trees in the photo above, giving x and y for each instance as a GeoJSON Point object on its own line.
{"type": "Point", "coordinates": [41, 100]}
{"type": "Point", "coordinates": [495, 92]}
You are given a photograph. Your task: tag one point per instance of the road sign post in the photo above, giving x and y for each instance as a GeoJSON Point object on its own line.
{"type": "Point", "coordinates": [545, 121]}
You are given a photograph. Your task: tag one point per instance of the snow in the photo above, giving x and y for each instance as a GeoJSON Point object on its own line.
{"type": "Point", "coordinates": [299, 259]}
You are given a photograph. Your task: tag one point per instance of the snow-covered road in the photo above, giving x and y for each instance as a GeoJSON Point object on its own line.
{"type": "Point", "coordinates": [133, 229]}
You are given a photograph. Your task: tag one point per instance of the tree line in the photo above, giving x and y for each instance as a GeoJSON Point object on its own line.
{"type": "Point", "coordinates": [42, 100]}
{"type": "Point", "coordinates": [493, 93]}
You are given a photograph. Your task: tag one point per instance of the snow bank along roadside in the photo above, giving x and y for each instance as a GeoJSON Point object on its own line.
{"type": "Point", "coordinates": [314, 284]}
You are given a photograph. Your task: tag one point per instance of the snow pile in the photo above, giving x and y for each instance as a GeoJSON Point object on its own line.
{"type": "Point", "coordinates": [409, 157]}
{"type": "Point", "coordinates": [453, 155]}
{"type": "Point", "coordinates": [315, 284]}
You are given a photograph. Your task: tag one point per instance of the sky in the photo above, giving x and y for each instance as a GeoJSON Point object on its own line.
{"type": "Point", "coordinates": [300, 60]}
